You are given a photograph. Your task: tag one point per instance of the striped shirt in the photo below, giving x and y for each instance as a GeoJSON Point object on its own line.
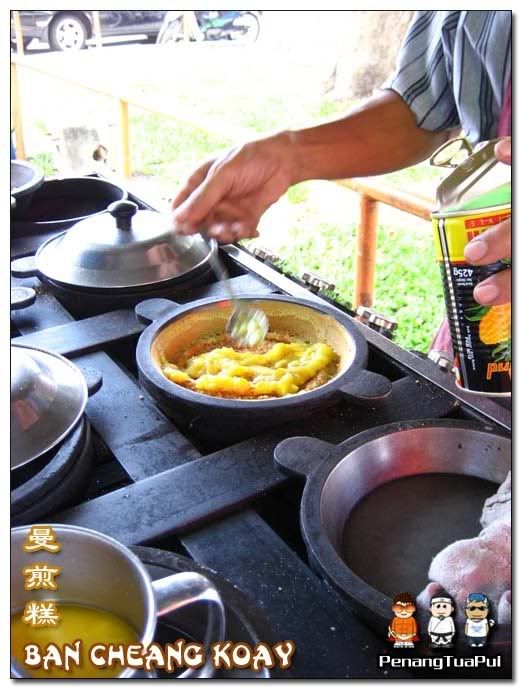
{"type": "Point", "coordinates": [453, 70]}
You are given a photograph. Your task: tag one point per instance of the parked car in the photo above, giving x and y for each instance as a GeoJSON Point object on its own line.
{"type": "Point", "coordinates": [71, 29]}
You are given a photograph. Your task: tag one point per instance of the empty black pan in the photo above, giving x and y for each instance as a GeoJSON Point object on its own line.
{"type": "Point", "coordinates": [377, 508]}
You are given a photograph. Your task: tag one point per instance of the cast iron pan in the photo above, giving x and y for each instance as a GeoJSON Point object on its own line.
{"type": "Point", "coordinates": [85, 302]}
{"type": "Point", "coordinates": [26, 178]}
{"type": "Point", "coordinates": [55, 481]}
{"type": "Point", "coordinates": [231, 419]}
{"type": "Point", "coordinates": [59, 203]}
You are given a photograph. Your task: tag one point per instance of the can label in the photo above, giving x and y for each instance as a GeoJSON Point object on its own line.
{"type": "Point", "coordinates": [481, 335]}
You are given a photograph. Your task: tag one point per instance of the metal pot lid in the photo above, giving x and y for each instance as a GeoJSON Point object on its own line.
{"type": "Point", "coordinates": [48, 397]}
{"type": "Point", "coordinates": [123, 248]}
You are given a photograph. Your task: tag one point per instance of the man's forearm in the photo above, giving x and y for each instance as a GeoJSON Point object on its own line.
{"type": "Point", "coordinates": [378, 137]}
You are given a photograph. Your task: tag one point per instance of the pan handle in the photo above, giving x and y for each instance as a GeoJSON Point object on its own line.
{"type": "Point", "coordinates": [182, 590]}
{"type": "Point", "coordinates": [93, 378]}
{"type": "Point", "coordinates": [151, 309]}
{"type": "Point", "coordinates": [22, 297]}
{"type": "Point", "coordinates": [24, 267]}
{"type": "Point", "coordinates": [367, 389]}
{"type": "Point", "coordinates": [301, 455]}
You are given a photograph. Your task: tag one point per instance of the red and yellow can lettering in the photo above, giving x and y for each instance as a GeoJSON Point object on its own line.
{"type": "Point", "coordinates": [461, 229]}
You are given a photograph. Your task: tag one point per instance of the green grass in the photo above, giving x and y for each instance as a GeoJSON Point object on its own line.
{"type": "Point", "coordinates": [299, 193]}
{"type": "Point", "coordinates": [41, 126]}
{"type": "Point", "coordinates": [407, 286]}
{"type": "Point", "coordinates": [266, 115]}
{"type": "Point", "coordinates": [169, 151]}
{"type": "Point", "coordinates": [424, 177]}
{"type": "Point", "coordinates": [46, 162]}
{"type": "Point", "coordinates": [330, 108]}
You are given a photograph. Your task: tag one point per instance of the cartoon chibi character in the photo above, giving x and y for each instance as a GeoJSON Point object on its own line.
{"type": "Point", "coordinates": [403, 628]}
{"type": "Point", "coordinates": [477, 623]}
{"type": "Point", "coordinates": [441, 628]}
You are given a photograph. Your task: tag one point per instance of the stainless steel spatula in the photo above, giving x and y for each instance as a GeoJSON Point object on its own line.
{"type": "Point", "coordinates": [248, 324]}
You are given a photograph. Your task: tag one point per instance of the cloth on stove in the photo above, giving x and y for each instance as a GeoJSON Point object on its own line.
{"type": "Point", "coordinates": [498, 506]}
{"type": "Point", "coordinates": [480, 564]}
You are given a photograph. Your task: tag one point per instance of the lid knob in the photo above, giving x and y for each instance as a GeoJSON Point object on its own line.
{"type": "Point", "coordinates": [122, 212]}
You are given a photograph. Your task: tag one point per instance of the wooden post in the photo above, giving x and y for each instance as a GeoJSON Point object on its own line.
{"type": "Point", "coordinates": [97, 28]}
{"type": "Point", "coordinates": [125, 157]}
{"type": "Point", "coordinates": [18, 32]}
{"type": "Point", "coordinates": [365, 254]}
{"type": "Point", "coordinates": [17, 114]}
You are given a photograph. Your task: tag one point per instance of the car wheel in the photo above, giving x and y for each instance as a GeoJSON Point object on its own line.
{"type": "Point", "coordinates": [67, 32]}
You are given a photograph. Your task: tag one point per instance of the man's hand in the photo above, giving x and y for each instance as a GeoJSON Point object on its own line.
{"type": "Point", "coordinates": [493, 245]}
{"type": "Point", "coordinates": [228, 195]}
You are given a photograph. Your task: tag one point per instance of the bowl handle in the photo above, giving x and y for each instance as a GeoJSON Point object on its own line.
{"type": "Point", "coordinates": [151, 309]}
{"type": "Point", "coordinates": [93, 378]}
{"type": "Point", "coordinates": [301, 455]}
{"type": "Point", "coordinates": [24, 267]}
{"type": "Point", "coordinates": [179, 590]}
{"type": "Point", "coordinates": [367, 389]}
{"type": "Point", "coordinates": [22, 297]}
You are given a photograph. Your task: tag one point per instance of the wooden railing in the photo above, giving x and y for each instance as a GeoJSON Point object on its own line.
{"type": "Point", "coordinates": [372, 191]}
{"type": "Point", "coordinates": [124, 98]}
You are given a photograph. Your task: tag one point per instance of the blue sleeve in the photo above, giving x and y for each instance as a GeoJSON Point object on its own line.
{"type": "Point", "coordinates": [423, 76]}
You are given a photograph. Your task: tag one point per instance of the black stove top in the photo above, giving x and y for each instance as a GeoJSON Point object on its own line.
{"type": "Point", "coordinates": [228, 508]}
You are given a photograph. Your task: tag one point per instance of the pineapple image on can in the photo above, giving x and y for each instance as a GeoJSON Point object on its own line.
{"type": "Point", "coordinates": [494, 331]}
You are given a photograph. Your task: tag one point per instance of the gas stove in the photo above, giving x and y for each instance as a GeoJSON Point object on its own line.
{"type": "Point", "coordinates": [135, 476]}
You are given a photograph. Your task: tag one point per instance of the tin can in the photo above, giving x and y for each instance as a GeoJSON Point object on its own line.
{"type": "Point", "coordinates": [481, 335]}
